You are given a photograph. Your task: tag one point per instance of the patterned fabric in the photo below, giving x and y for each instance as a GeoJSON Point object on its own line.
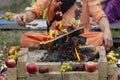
{"type": "Point", "coordinates": [112, 11]}
{"type": "Point", "coordinates": [95, 9]}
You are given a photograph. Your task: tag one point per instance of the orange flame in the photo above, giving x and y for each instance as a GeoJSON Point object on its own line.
{"type": "Point", "coordinates": [53, 33]}
{"type": "Point", "coordinates": [56, 33]}
{"type": "Point", "coordinates": [77, 54]}
{"type": "Point", "coordinates": [60, 26]}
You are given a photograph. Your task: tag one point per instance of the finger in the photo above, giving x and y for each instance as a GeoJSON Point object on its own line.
{"type": "Point", "coordinates": [17, 20]}
{"type": "Point", "coordinates": [20, 20]}
{"type": "Point", "coordinates": [110, 43]}
{"type": "Point", "coordinates": [107, 49]}
{"type": "Point", "coordinates": [105, 42]}
{"type": "Point", "coordinates": [25, 19]}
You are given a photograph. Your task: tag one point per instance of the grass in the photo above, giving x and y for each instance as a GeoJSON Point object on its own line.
{"type": "Point", "coordinates": [11, 38]}
{"type": "Point", "coordinates": [16, 7]}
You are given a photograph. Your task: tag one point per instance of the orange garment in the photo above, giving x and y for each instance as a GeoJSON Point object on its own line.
{"type": "Point", "coordinates": [33, 38]}
{"type": "Point", "coordinates": [91, 7]}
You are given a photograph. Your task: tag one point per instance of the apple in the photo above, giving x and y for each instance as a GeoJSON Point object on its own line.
{"type": "Point", "coordinates": [90, 66]}
{"type": "Point", "coordinates": [2, 78]}
{"type": "Point", "coordinates": [43, 69]}
{"type": "Point", "coordinates": [10, 63]}
{"type": "Point", "coordinates": [32, 68]}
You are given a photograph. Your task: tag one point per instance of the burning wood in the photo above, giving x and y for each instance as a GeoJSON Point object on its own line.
{"type": "Point", "coordinates": [70, 51]}
{"type": "Point", "coordinates": [63, 38]}
{"type": "Point", "coordinates": [68, 47]}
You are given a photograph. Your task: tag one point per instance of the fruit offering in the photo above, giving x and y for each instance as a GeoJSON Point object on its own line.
{"type": "Point", "coordinates": [10, 63]}
{"type": "Point", "coordinates": [2, 78]}
{"type": "Point", "coordinates": [66, 67]}
{"type": "Point", "coordinates": [112, 57]}
{"type": "Point", "coordinates": [90, 66]}
{"type": "Point", "coordinates": [81, 67]}
{"type": "Point", "coordinates": [43, 69]}
{"type": "Point", "coordinates": [8, 16]}
{"type": "Point", "coordinates": [13, 52]}
{"type": "Point", "coordinates": [32, 68]}
{"type": "Point", "coordinates": [78, 67]}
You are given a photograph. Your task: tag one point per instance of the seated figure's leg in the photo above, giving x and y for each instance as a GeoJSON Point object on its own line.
{"type": "Point", "coordinates": [29, 39]}
{"type": "Point", "coordinates": [94, 38]}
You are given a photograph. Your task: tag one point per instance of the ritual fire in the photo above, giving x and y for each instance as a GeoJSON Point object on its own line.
{"type": "Point", "coordinates": [68, 47]}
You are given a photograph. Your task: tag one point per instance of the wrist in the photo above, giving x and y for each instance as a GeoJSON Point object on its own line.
{"type": "Point", "coordinates": [30, 13]}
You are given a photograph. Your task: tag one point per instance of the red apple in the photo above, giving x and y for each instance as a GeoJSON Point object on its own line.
{"type": "Point", "coordinates": [2, 78]}
{"type": "Point", "coordinates": [90, 66]}
{"type": "Point", "coordinates": [10, 63]}
{"type": "Point", "coordinates": [32, 68]}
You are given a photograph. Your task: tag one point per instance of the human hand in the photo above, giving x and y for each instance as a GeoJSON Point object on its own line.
{"type": "Point", "coordinates": [25, 18]}
{"type": "Point", "coordinates": [108, 41]}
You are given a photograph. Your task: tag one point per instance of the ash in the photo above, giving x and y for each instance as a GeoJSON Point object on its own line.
{"type": "Point", "coordinates": [57, 57]}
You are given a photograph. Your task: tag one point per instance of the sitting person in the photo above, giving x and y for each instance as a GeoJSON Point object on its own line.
{"type": "Point", "coordinates": [62, 14]}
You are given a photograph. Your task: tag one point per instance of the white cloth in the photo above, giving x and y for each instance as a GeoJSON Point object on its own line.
{"type": "Point", "coordinates": [41, 24]}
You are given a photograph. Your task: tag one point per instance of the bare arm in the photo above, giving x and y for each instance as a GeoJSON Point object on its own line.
{"type": "Point", "coordinates": [34, 12]}
{"type": "Point", "coordinates": [104, 24]}
{"type": "Point", "coordinates": [100, 18]}
{"type": "Point", "coordinates": [107, 36]}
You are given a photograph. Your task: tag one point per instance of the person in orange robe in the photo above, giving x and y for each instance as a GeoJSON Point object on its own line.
{"type": "Point", "coordinates": [90, 7]}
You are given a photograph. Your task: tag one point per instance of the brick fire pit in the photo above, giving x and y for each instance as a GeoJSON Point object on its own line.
{"type": "Point", "coordinates": [103, 72]}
